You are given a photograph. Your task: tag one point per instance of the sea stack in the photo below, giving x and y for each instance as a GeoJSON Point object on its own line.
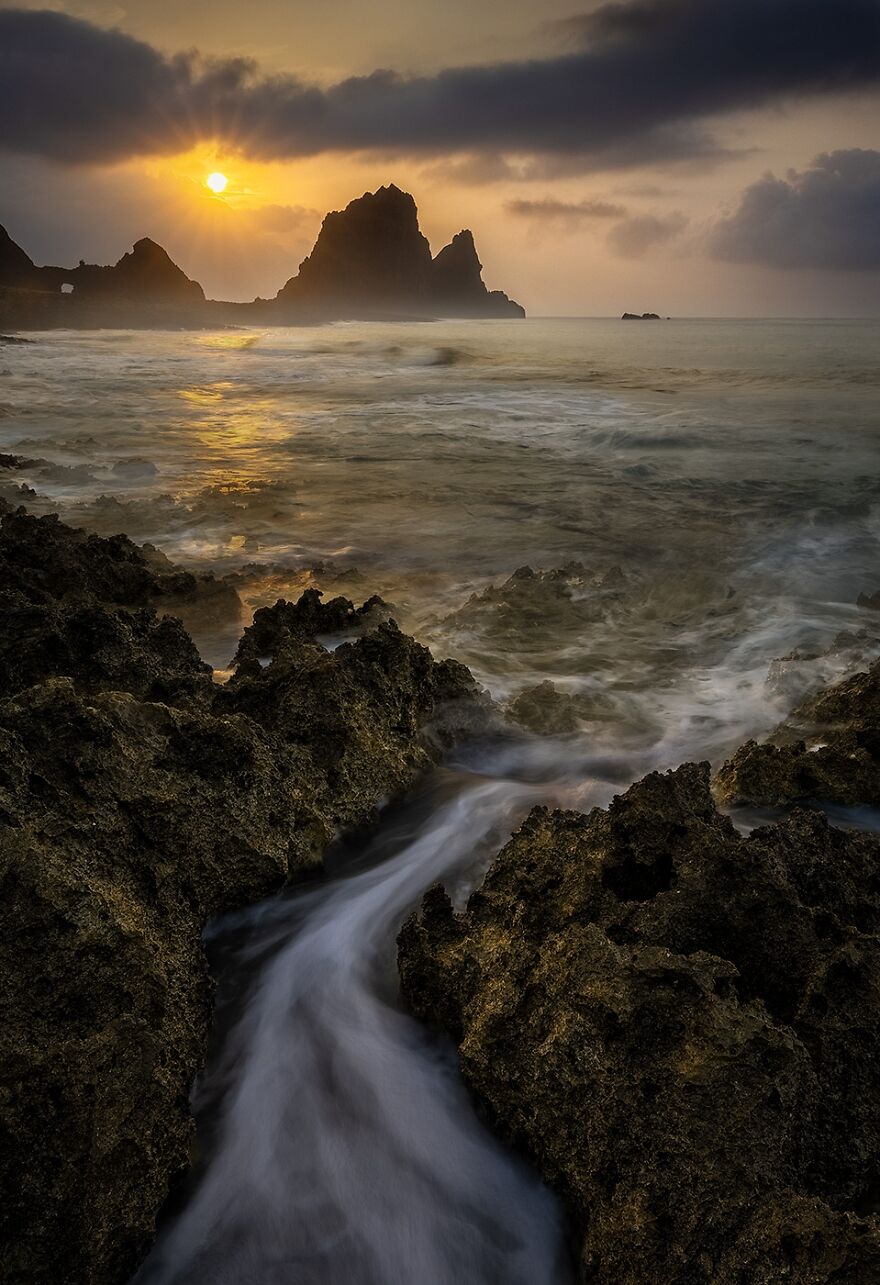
{"type": "Point", "coordinates": [457, 283]}
{"type": "Point", "coordinates": [373, 258]}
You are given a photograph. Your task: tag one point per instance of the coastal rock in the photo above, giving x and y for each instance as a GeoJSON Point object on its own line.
{"type": "Point", "coordinates": [678, 1026]}
{"type": "Point", "coordinates": [18, 271]}
{"type": "Point", "coordinates": [137, 799]}
{"type": "Point", "coordinates": [641, 316]}
{"type": "Point", "coordinates": [564, 598]}
{"type": "Point", "coordinates": [146, 273]}
{"type": "Point", "coordinates": [275, 629]}
{"type": "Point", "coordinates": [548, 711]}
{"type": "Point", "coordinates": [457, 286]}
{"type": "Point", "coordinates": [372, 258]}
{"type": "Point", "coordinates": [806, 671]}
{"type": "Point", "coordinates": [370, 261]}
{"type": "Point", "coordinates": [827, 750]}
{"type": "Point", "coordinates": [371, 253]}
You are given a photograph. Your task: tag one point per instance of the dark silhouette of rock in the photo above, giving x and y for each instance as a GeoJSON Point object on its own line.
{"type": "Point", "coordinates": [16, 268]}
{"type": "Point", "coordinates": [678, 1025]}
{"type": "Point", "coordinates": [19, 272]}
{"type": "Point", "coordinates": [641, 316]}
{"type": "Point", "coordinates": [146, 273]}
{"type": "Point", "coordinates": [370, 261]}
{"type": "Point", "coordinates": [457, 282]}
{"type": "Point", "coordinates": [138, 798]}
{"type": "Point", "coordinates": [371, 257]}
{"type": "Point", "coordinates": [369, 254]}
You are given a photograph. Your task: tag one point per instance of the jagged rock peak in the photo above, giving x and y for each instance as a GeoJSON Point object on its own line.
{"type": "Point", "coordinates": [371, 252]}
{"type": "Point", "coordinates": [18, 270]}
{"type": "Point", "coordinates": [372, 255]}
{"type": "Point", "coordinates": [15, 266]}
{"type": "Point", "coordinates": [457, 267]}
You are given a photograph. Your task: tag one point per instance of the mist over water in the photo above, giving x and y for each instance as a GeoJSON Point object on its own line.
{"type": "Point", "coordinates": [699, 508]}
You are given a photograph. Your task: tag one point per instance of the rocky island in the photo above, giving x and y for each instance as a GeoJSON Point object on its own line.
{"type": "Point", "coordinates": [370, 262]}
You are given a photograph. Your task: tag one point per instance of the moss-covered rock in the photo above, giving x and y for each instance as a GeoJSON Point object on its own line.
{"type": "Point", "coordinates": [827, 750]}
{"type": "Point", "coordinates": [138, 798]}
{"type": "Point", "coordinates": [679, 1026]}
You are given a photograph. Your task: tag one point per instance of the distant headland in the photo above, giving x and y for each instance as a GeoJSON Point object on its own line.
{"type": "Point", "coordinates": [370, 262]}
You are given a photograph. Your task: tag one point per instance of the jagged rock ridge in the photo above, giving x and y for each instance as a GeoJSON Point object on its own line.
{"type": "Point", "coordinates": [145, 273]}
{"type": "Point", "coordinates": [370, 260]}
{"type": "Point", "coordinates": [827, 750]}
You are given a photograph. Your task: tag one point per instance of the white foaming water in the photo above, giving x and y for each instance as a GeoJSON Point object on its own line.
{"type": "Point", "coordinates": [716, 484]}
{"type": "Point", "coordinates": [346, 1148]}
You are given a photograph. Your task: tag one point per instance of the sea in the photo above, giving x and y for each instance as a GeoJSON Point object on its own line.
{"type": "Point", "coordinates": [671, 523]}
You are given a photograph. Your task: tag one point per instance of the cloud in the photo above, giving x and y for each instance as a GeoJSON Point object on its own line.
{"type": "Point", "coordinates": [633, 238]}
{"type": "Point", "coordinates": [233, 249]}
{"type": "Point", "coordinates": [567, 215]}
{"type": "Point", "coordinates": [641, 83]}
{"type": "Point", "coordinates": [285, 218]}
{"type": "Point", "coordinates": [828, 216]}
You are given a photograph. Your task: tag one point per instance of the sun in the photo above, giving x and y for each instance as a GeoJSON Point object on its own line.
{"type": "Point", "coordinates": [217, 182]}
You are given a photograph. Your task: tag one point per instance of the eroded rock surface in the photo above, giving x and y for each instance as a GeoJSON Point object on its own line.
{"type": "Point", "coordinates": [827, 750]}
{"type": "Point", "coordinates": [138, 798]}
{"type": "Point", "coordinates": [547, 710]}
{"type": "Point", "coordinates": [678, 1025]}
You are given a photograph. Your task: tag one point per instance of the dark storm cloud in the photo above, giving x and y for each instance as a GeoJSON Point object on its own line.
{"type": "Point", "coordinates": [826, 217]}
{"type": "Point", "coordinates": [639, 85]}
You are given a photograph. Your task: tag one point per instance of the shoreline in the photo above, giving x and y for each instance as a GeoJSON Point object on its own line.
{"type": "Point", "coordinates": [100, 667]}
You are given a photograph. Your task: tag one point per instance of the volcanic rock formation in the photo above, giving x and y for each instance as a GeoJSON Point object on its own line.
{"type": "Point", "coordinates": [138, 798]}
{"type": "Point", "coordinates": [679, 1027]}
{"type": "Point", "coordinates": [18, 270]}
{"type": "Point", "coordinates": [457, 286]}
{"type": "Point", "coordinates": [370, 261]}
{"type": "Point", "coordinates": [147, 272]}
{"type": "Point", "coordinates": [827, 750]}
{"type": "Point", "coordinates": [372, 256]}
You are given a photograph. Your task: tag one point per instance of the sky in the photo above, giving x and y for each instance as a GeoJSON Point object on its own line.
{"type": "Point", "coordinates": [690, 157]}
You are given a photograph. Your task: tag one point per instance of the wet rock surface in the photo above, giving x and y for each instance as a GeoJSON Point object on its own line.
{"type": "Point", "coordinates": [546, 710]}
{"type": "Point", "coordinates": [678, 1026]}
{"type": "Point", "coordinates": [137, 799]}
{"type": "Point", "coordinates": [827, 750]}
